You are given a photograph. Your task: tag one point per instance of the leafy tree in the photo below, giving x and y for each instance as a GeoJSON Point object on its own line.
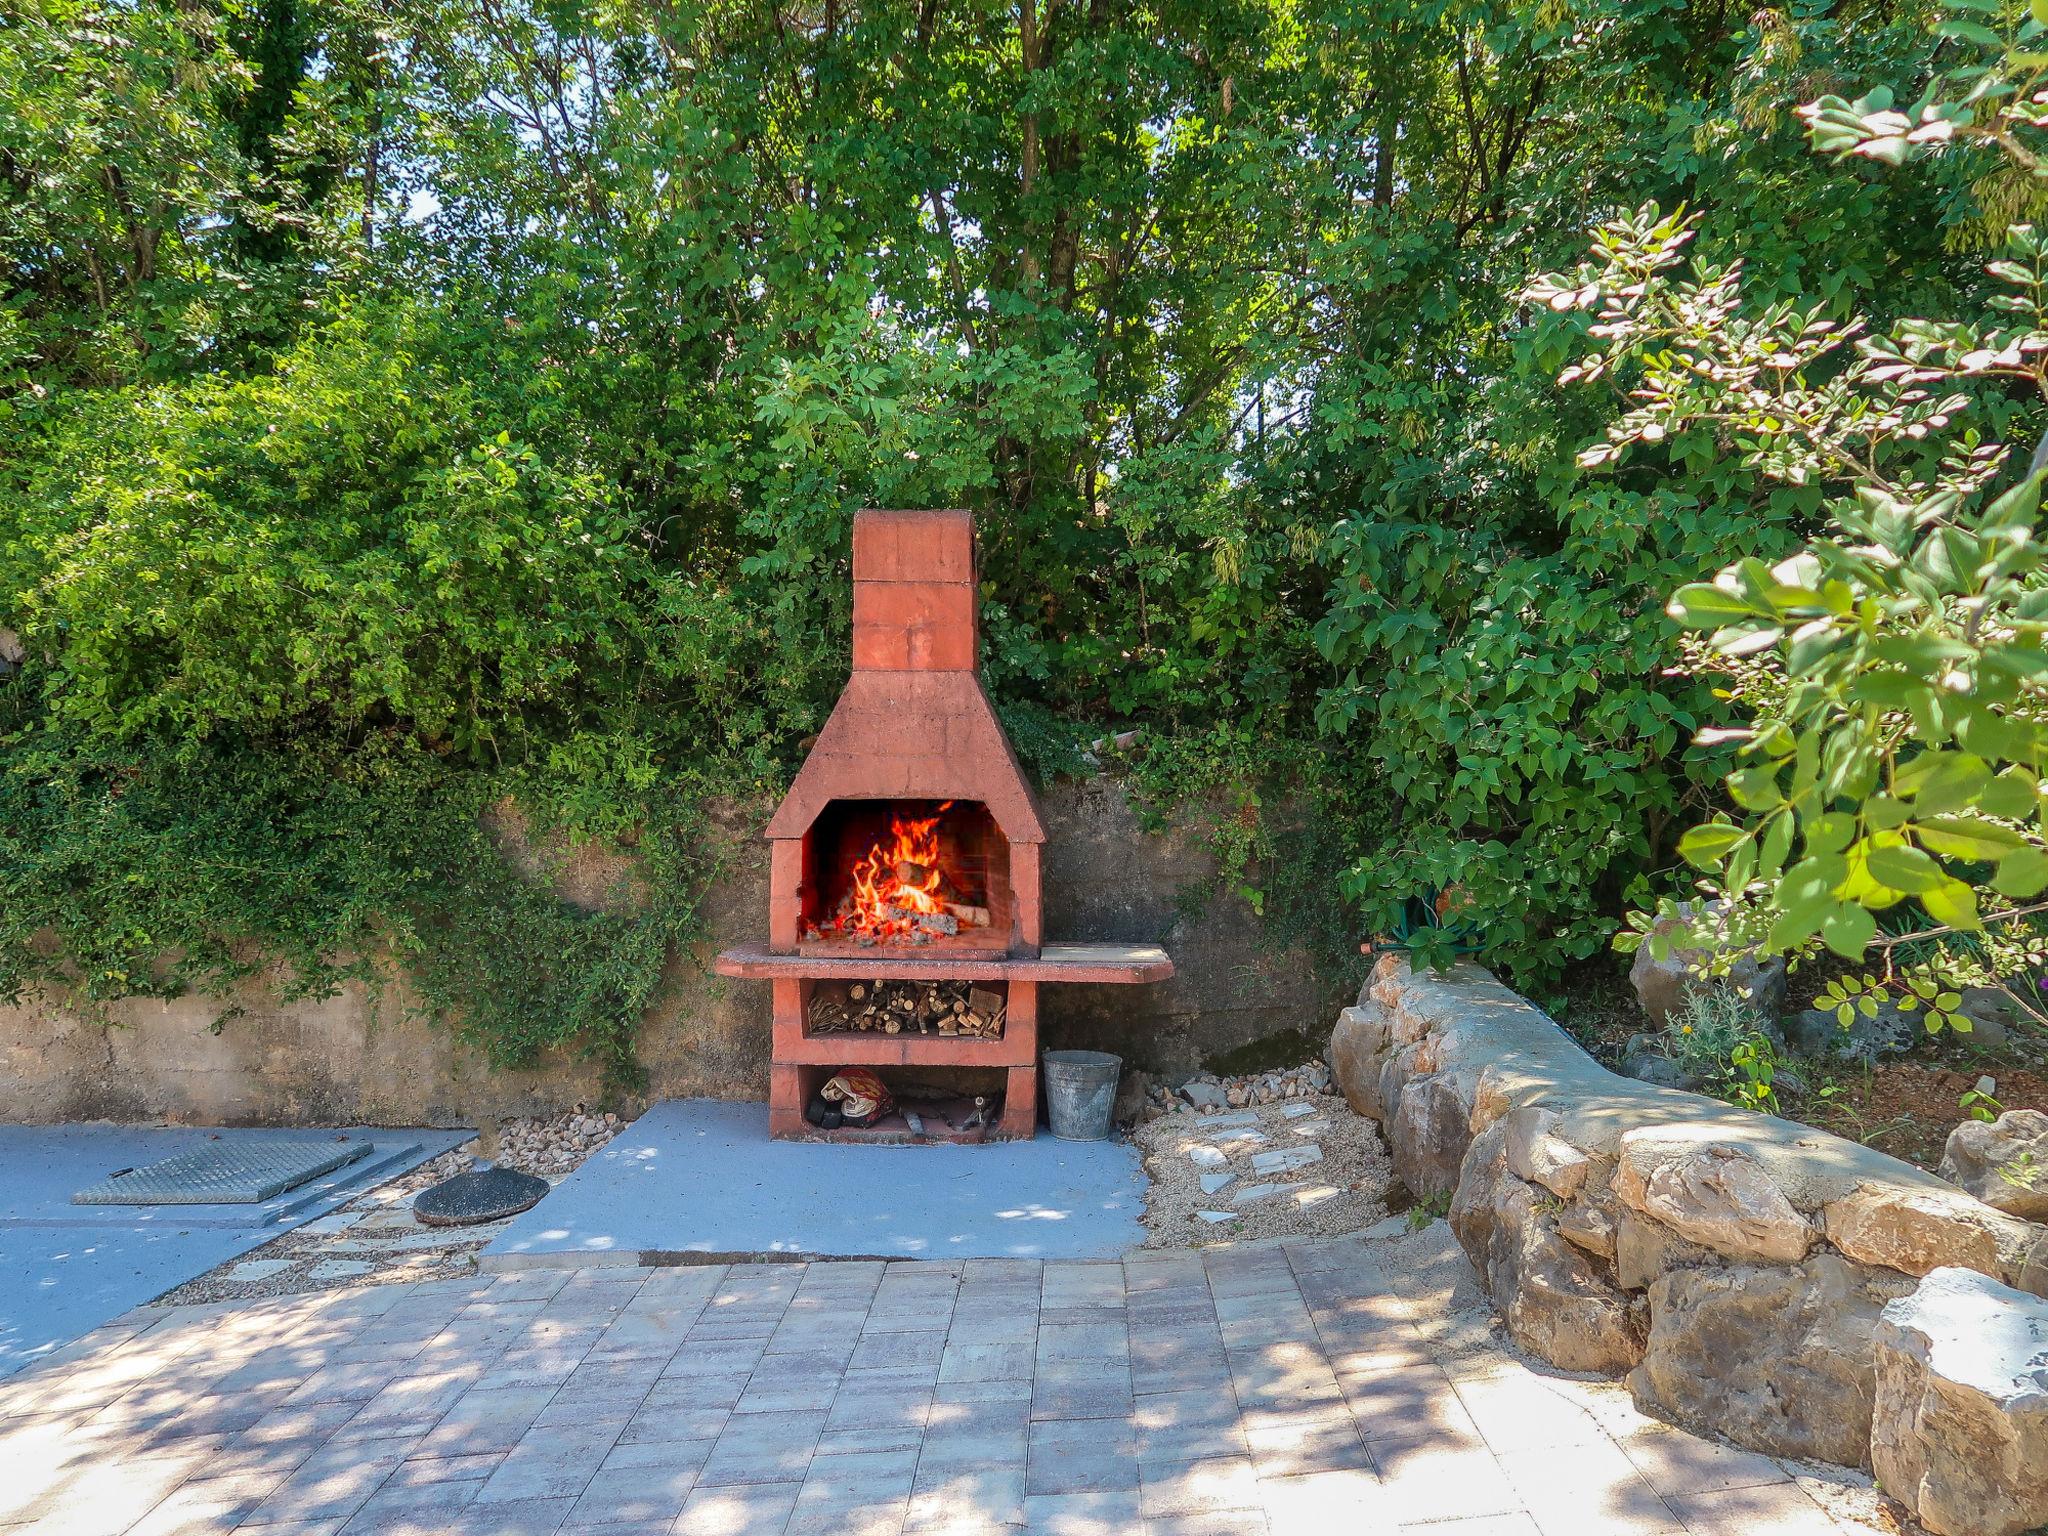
{"type": "Point", "coordinates": [1890, 670]}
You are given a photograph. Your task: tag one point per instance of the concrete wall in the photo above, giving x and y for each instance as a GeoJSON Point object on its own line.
{"type": "Point", "coordinates": [369, 1057]}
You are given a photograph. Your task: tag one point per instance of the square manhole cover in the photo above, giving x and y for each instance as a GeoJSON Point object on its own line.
{"type": "Point", "coordinates": [224, 1173]}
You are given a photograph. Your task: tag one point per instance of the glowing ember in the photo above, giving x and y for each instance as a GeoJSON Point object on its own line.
{"type": "Point", "coordinates": [899, 890]}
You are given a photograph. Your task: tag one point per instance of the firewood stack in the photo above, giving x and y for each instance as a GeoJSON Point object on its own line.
{"type": "Point", "coordinates": [951, 1008]}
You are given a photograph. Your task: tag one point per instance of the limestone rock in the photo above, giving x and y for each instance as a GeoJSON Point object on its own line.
{"type": "Point", "coordinates": [1960, 1431]}
{"type": "Point", "coordinates": [1716, 1195]}
{"type": "Point", "coordinates": [2003, 1163]}
{"type": "Point", "coordinates": [1913, 1230]}
{"type": "Point", "coordinates": [1643, 1060]}
{"type": "Point", "coordinates": [1556, 1302]}
{"type": "Point", "coordinates": [1863, 1041]}
{"type": "Point", "coordinates": [1587, 1224]}
{"type": "Point", "coordinates": [1776, 1358]}
{"type": "Point", "coordinates": [1645, 1249]}
{"type": "Point", "coordinates": [1204, 1093]}
{"type": "Point", "coordinates": [1538, 1155]}
{"type": "Point", "coordinates": [1430, 1131]}
{"type": "Point", "coordinates": [1356, 1045]}
{"type": "Point", "coordinates": [1990, 1014]}
{"type": "Point", "coordinates": [1661, 985]}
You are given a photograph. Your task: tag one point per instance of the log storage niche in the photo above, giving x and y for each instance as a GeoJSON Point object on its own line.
{"type": "Point", "coordinates": [904, 930]}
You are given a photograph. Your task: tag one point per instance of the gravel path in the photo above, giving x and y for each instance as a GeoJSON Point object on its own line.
{"type": "Point", "coordinates": [1304, 1167]}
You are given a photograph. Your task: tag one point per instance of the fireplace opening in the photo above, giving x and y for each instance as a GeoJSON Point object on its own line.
{"type": "Point", "coordinates": [905, 875]}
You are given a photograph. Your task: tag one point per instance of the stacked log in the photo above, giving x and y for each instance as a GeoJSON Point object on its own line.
{"type": "Point", "coordinates": [949, 1008]}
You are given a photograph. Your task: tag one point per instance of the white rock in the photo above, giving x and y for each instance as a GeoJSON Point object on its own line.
{"type": "Point", "coordinates": [338, 1269]}
{"type": "Point", "coordinates": [1282, 1159]}
{"type": "Point", "coordinates": [1960, 1429]}
{"type": "Point", "coordinates": [1211, 1182]}
{"type": "Point", "coordinates": [250, 1271]}
{"type": "Point", "coordinates": [1205, 1156]}
{"type": "Point", "coordinates": [1252, 1192]}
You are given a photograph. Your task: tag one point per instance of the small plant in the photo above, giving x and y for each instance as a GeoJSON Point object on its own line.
{"type": "Point", "coordinates": [2021, 1172]}
{"type": "Point", "coordinates": [1754, 1064]}
{"type": "Point", "coordinates": [1978, 1104]}
{"type": "Point", "coordinates": [1715, 1036]}
{"type": "Point", "coordinates": [1423, 1212]}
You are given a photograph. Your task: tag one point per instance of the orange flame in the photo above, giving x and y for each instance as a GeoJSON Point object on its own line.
{"type": "Point", "coordinates": [881, 892]}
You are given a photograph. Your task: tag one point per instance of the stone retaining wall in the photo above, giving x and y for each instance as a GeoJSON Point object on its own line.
{"type": "Point", "coordinates": [1733, 1265]}
{"type": "Point", "coordinates": [364, 1057]}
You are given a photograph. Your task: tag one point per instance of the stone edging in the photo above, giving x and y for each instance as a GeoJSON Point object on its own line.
{"type": "Point", "coordinates": [1734, 1265]}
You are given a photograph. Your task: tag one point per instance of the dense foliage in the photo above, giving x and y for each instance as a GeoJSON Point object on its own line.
{"type": "Point", "coordinates": [1893, 718]}
{"type": "Point", "coordinates": [405, 405]}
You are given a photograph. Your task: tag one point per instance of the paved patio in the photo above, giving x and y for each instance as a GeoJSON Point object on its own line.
{"type": "Point", "coordinates": [1343, 1385]}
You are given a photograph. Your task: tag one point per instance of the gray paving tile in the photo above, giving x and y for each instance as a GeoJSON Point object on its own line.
{"type": "Point", "coordinates": [1082, 1514]}
{"type": "Point", "coordinates": [642, 1494]}
{"type": "Point", "coordinates": [763, 1448]}
{"type": "Point", "coordinates": [758, 1509]}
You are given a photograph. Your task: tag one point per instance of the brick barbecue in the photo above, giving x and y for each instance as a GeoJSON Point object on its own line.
{"type": "Point", "coordinates": [905, 927]}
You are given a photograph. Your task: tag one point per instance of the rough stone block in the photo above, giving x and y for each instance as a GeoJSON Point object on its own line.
{"type": "Point", "coordinates": [1774, 1358]}
{"type": "Point", "coordinates": [2003, 1163]}
{"type": "Point", "coordinates": [1715, 1194]}
{"type": "Point", "coordinates": [1914, 1231]}
{"type": "Point", "coordinates": [1538, 1155]}
{"type": "Point", "coordinates": [1429, 1134]}
{"type": "Point", "coordinates": [1960, 1431]}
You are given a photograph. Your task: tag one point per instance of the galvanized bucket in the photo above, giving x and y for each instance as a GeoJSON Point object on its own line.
{"type": "Point", "coordinates": [1080, 1093]}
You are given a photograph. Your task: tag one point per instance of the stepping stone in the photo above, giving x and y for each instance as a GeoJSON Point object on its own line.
{"type": "Point", "coordinates": [338, 1269]}
{"type": "Point", "coordinates": [1213, 1217]}
{"type": "Point", "coordinates": [1235, 1117]}
{"type": "Point", "coordinates": [1206, 1157]}
{"type": "Point", "coordinates": [1310, 1129]}
{"type": "Point", "coordinates": [1246, 1135]}
{"type": "Point", "coordinates": [1281, 1159]}
{"type": "Point", "coordinates": [488, 1195]}
{"type": "Point", "coordinates": [251, 1270]}
{"type": "Point", "coordinates": [1253, 1192]}
{"type": "Point", "coordinates": [1296, 1111]}
{"type": "Point", "coordinates": [328, 1225]}
{"type": "Point", "coordinates": [1211, 1182]}
{"type": "Point", "coordinates": [1316, 1194]}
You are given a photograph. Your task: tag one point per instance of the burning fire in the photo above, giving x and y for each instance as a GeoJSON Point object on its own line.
{"type": "Point", "coordinates": [900, 890]}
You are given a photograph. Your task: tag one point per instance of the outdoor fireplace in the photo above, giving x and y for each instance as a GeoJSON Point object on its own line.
{"type": "Point", "coordinates": [904, 923]}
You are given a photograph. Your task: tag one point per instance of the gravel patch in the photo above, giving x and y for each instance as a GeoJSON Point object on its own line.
{"type": "Point", "coordinates": [374, 1239]}
{"type": "Point", "coordinates": [1299, 1167]}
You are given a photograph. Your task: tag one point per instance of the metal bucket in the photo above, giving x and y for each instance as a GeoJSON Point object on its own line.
{"type": "Point", "coordinates": [1080, 1093]}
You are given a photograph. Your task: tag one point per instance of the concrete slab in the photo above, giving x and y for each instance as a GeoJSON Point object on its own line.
{"type": "Point", "coordinates": [693, 1179]}
{"type": "Point", "coordinates": [65, 1269]}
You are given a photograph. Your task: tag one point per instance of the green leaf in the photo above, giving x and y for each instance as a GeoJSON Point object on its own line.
{"type": "Point", "coordinates": [1848, 931]}
{"type": "Point", "coordinates": [1953, 905]}
{"type": "Point", "coordinates": [1905, 869]}
{"type": "Point", "coordinates": [1704, 847]}
{"type": "Point", "coordinates": [1965, 837]}
{"type": "Point", "coordinates": [2022, 874]}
